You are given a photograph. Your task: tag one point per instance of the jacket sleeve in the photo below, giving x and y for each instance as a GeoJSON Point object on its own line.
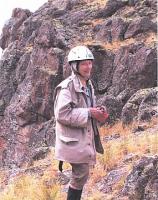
{"type": "Point", "coordinates": [66, 111]}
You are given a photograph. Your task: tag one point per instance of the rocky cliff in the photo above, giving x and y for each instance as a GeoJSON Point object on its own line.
{"type": "Point", "coordinates": [122, 36]}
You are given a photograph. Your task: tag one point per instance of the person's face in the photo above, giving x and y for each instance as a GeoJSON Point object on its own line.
{"type": "Point", "coordinates": [85, 67]}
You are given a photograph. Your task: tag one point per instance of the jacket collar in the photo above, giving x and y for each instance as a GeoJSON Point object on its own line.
{"type": "Point", "coordinates": [77, 83]}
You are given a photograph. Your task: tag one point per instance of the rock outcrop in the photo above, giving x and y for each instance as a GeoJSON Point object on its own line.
{"type": "Point", "coordinates": [122, 36]}
{"type": "Point", "coordinates": [143, 105]}
{"type": "Point", "coordinates": [142, 182]}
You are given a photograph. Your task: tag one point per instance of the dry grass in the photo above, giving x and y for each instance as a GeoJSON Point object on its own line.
{"type": "Point", "coordinates": [117, 128]}
{"type": "Point", "coordinates": [148, 39]}
{"type": "Point", "coordinates": [151, 38]}
{"type": "Point", "coordinates": [96, 174]}
{"type": "Point", "coordinates": [30, 188]}
{"type": "Point", "coordinates": [111, 46]}
{"type": "Point", "coordinates": [27, 187]}
{"type": "Point", "coordinates": [97, 21]}
{"type": "Point", "coordinates": [126, 130]}
{"type": "Point", "coordinates": [96, 196]}
{"type": "Point", "coordinates": [29, 48]}
{"type": "Point", "coordinates": [101, 3]}
{"type": "Point", "coordinates": [116, 150]}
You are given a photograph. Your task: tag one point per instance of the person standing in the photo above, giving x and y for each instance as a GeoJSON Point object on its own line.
{"type": "Point", "coordinates": [76, 114]}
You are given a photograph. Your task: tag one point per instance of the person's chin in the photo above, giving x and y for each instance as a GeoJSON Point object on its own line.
{"type": "Point", "coordinates": [87, 77]}
{"type": "Point", "coordinates": [87, 74]}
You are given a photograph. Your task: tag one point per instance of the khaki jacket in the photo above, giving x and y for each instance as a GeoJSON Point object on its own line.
{"type": "Point", "coordinates": [77, 140]}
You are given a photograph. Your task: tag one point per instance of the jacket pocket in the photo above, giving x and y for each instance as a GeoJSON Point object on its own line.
{"type": "Point", "coordinates": [68, 139]}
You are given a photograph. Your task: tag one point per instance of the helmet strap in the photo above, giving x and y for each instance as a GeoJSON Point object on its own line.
{"type": "Point", "coordinates": [74, 68]}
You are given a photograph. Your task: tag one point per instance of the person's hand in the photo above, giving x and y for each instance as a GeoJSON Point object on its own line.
{"type": "Point", "coordinates": [98, 114]}
{"type": "Point", "coordinates": [104, 111]}
{"type": "Point", "coordinates": [102, 108]}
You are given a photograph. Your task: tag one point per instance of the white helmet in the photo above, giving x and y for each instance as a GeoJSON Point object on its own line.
{"type": "Point", "coordinates": [80, 53]}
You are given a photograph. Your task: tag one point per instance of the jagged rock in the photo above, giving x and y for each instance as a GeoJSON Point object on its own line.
{"type": "Point", "coordinates": [143, 3]}
{"type": "Point", "coordinates": [114, 107]}
{"type": "Point", "coordinates": [47, 39]}
{"type": "Point", "coordinates": [25, 143]}
{"type": "Point", "coordinates": [142, 182]}
{"type": "Point", "coordinates": [151, 3]}
{"type": "Point", "coordinates": [32, 107]}
{"type": "Point", "coordinates": [106, 185]}
{"type": "Point", "coordinates": [125, 95]}
{"type": "Point", "coordinates": [135, 68]}
{"type": "Point", "coordinates": [132, 2]}
{"type": "Point", "coordinates": [111, 30]}
{"type": "Point", "coordinates": [146, 3]}
{"type": "Point", "coordinates": [30, 28]}
{"type": "Point", "coordinates": [149, 106]}
{"type": "Point", "coordinates": [40, 153]}
{"type": "Point", "coordinates": [140, 25]}
{"type": "Point", "coordinates": [20, 72]}
{"type": "Point", "coordinates": [119, 26]}
{"type": "Point", "coordinates": [37, 105]}
{"type": "Point", "coordinates": [144, 8]}
{"type": "Point", "coordinates": [103, 31]}
{"type": "Point", "coordinates": [8, 81]}
{"type": "Point", "coordinates": [51, 38]}
{"type": "Point", "coordinates": [130, 157]}
{"type": "Point", "coordinates": [77, 17]}
{"type": "Point", "coordinates": [142, 105]}
{"type": "Point", "coordinates": [103, 69]}
{"type": "Point", "coordinates": [111, 7]}
{"type": "Point", "coordinates": [11, 30]}
{"type": "Point", "coordinates": [62, 5]}
{"type": "Point", "coordinates": [44, 136]}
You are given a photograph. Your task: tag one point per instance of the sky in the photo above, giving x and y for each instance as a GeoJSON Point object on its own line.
{"type": "Point", "coordinates": [6, 7]}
